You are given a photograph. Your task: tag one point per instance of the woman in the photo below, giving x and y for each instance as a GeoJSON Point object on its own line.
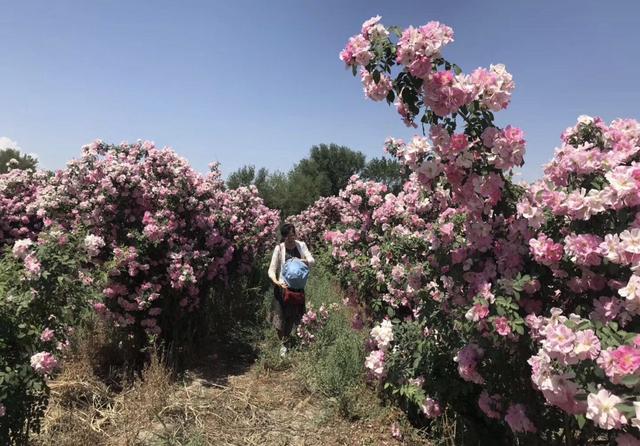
{"type": "Point", "coordinates": [286, 315]}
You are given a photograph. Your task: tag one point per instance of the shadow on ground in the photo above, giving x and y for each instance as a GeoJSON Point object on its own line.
{"type": "Point", "coordinates": [216, 362]}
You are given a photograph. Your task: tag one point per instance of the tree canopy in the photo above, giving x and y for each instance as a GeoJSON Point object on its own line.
{"type": "Point", "coordinates": [14, 159]}
{"type": "Point", "coordinates": [323, 173]}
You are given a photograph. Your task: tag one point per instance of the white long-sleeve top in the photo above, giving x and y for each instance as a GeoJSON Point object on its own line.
{"type": "Point", "coordinates": [278, 259]}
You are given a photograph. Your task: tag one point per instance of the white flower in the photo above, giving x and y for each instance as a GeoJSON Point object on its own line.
{"type": "Point", "coordinates": [93, 244]}
{"type": "Point", "coordinates": [632, 290]}
{"type": "Point", "coordinates": [21, 248]}
{"type": "Point", "coordinates": [602, 410]}
{"type": "Point", "coordinates": [585, 119]}
{"type": "Point", "coordinates": [630, 240]}
{"type": "Point", "coordinates": [375, 363]}
{"type": "Point", "coordinates": [383, 334]}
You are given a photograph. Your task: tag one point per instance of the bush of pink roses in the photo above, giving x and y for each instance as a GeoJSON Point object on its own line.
{"type": "Point", "coordinates": [586, 362]}
{"type": "Point", "coordinates": [130, 232]}
{"type": "Point", "coordinates": [46, 285]}
{"type": "Point", "coordinates": [516, 300]}
{"type": "Point", "coordinates": [19, 218]}
{"type": "Point", "coordinates": [311, 223]}
{"type": "Point", "coordinates": [313, 321]}
{"type": "Point", "coordinates": [167, 233]}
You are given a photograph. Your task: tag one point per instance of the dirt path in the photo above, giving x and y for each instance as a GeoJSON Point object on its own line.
{"type": "Point", "coordinates": [270, 408]}
{"type": "Point", "coordinates": [226, 399]}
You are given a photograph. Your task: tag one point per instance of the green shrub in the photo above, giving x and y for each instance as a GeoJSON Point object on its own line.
{"type": "Point", "coordinates": [333, 365]}
{"type": "Point", "coordinates": [44, 290]}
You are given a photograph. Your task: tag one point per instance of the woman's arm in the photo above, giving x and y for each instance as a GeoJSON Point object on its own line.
{"type": "Point", "coordinates": [307, 254]}
{"type": "Point", "coordinates": [273, 267]}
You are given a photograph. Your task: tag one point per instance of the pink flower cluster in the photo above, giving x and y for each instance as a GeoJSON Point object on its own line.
{"type": "Point", "coordinates": [93, 244]}
{"type": "Point", "coordinates": [418, 53]}
{"type": "Point", "coordinates": [20, 217]}
{"type": "Point", "coordinates": [445, 92]}
{"type": "Point", "coordinates": [431, 408]}
{"type": "Point", "coordinates": [376, 91]}
{"type": "Point", "coordinates": [21, 248]}
{"type": "Point", "coordinates": [495, 86]}
{"type": "Point", "coordinates": [375, 364]}
{"type": "Point", "coordinates": [382, 334]}
{"type": "Point", "coordinates": [490, 405]}
{"type": "Point", "coordinates": [507, 146]}
{"type": "Point", "coordinates": [468, 358]}
{"type": "Point", "coordinates": [47, 335]}
{"type": "Point", "coordinates": [563, 347]}
{"type": "Point", "coordinates": [603, 411]}
{"type": "Point", "coordinates": [545, 251]}
{"type": "Point", "coordinates": [517, 419]}
{"type": "Point", "coordinates": [32, 266]}
{"type": "Point", "coordinates": [44, 363]}
{"type": "Point", "coordinates": [620, 362]}
{"type": "Point", "coordinates": [312, 223]}
{"type": "Point", "coordinates": [419, 46]}
{"type": "Point", "coordinates": [488, 268]}
{"type": "Point", "coordinates": [313, 321]}
{"type": "Point", "coordinates": [381, 339]}
{"type": "Point", "coordinates": [357, 51]}
{"type": "Point", "coordinates": [169, 230]}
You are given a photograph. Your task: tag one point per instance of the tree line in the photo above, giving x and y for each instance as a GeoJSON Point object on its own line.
{"type": "Point", "coordinates": [13, 159]}
{"type": "Point", "coordinates": [323, 173]}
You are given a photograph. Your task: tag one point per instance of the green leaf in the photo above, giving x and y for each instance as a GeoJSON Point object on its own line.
{"type": "Point", "coordinates": [631, 380]}
{"type": "Point", "coordinates": [581, 421]}
{"type": "Point", "coordinates": [391, 312]}
{"type": "Point", "coordinates": [391, 96]}
{"type": "Point", "coordinates": [627, 410]}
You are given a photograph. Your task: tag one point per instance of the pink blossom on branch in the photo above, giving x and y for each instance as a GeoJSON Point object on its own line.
{"type": "Point", "coordinates": [44, 363]}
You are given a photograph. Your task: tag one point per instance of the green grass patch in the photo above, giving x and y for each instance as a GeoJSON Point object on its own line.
{"type": "Point", "coordinates": [333, 365]}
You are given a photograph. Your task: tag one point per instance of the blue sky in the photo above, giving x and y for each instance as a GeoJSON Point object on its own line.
{"type": "Point", "coordinates": [259, 82]}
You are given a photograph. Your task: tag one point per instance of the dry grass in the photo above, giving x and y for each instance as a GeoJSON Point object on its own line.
{"type": "Point", "coordinates": [271, 409]}
{"type": "Point", "coordinates": [87, 410]}
{"type": "Point", "coordinates": [225, 399]}
{"type": "Point", "coordinates": [254, 407]}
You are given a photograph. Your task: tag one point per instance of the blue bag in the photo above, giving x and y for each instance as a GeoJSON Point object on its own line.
{"type": "Point", "coordinates": [295, 274]}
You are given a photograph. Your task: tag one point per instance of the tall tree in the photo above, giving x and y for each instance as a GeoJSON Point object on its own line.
{"type": "Point", "coordinates": [274, 189]}
{"type": "Point", "coordinates": [244, 176]}
{"type": "Point", "coordinates": [304, 189]}
{"type": "Point", "coordinates": [14, 159]}
{"type": "Point", "coordinates": [323, 173]}
{"type": "Point", "coordinates": [336, 163]}
{"type": "Point", "coordinates": [387, 171]}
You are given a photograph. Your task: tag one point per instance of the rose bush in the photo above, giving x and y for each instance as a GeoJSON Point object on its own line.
{"type": "Point", "coordinates": [46, 286]}
{"type": "Point", "coordinates": [312, 222]}
{"type": "Point", "coordinates": [19, 218]}
{"type": "Point", "coordinates": [129, 232]}
{"type": "Point", "coordinates": [526, 293]}
{"type": "Point", "coordinates": [313, 320]}
{"type": "Point", "coordinates": [168, 233]}
{"type": "Point", "coordinates": [586, 362]}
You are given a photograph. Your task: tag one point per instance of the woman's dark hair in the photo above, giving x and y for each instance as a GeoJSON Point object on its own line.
{"type": "Point", "coordinates": [287, 229]}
